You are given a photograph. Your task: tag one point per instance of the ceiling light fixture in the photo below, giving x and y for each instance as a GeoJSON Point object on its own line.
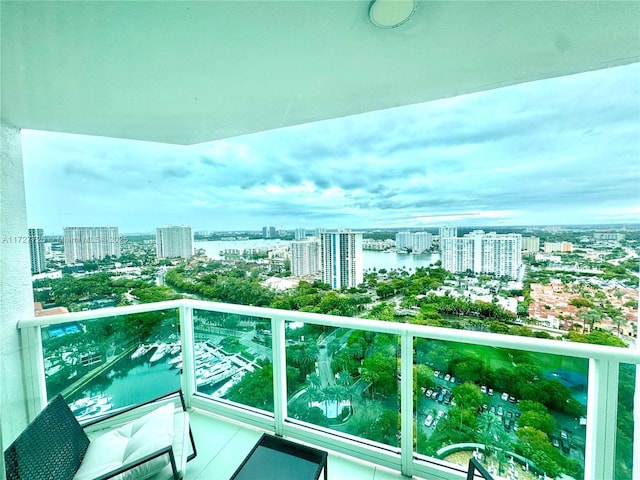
{"type": "Point", "coordinates": [391, 13]}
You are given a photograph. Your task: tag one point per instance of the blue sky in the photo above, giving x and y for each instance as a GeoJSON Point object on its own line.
{"type": "Point", "coordinates": [553, 152]}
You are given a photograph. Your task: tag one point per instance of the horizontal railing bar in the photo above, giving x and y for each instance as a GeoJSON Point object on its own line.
{"type": "Point", "coordinates": [555, 347]}
{"type": "Point", "coordinates": [99, 313]}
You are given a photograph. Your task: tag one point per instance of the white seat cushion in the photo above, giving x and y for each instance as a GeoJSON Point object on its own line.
{"type": "Point", "coordinates": [128, 443]}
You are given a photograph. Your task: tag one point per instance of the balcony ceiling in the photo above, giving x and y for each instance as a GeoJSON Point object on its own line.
{"type": "Point", "coordinates": [189, 72]}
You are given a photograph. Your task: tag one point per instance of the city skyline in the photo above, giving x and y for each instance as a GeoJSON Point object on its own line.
{"type": "Point", "coordinates": [562, 151]}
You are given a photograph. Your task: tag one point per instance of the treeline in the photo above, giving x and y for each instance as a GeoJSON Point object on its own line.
{"type": "Point", "coordinates": [68, 290]}
{"type": "Point", "coordinates": [230, 286]}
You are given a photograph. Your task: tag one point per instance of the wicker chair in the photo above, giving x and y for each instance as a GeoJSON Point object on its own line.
{"type": "Point", "coordinates": [56, 446]}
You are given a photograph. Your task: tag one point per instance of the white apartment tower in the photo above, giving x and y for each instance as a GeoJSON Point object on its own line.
{"type": "Point", "coordinates": [418, 242]}
{"type": "Point", "coordinates": [174, 242]}
{"type": "Point", "coordinates": [531, 244]}
{"type": "Point", "coordinates": [36, 250]}
{"type": "Point", "coordinates": [341, 258]}
{"type": "Point", "coordinates": [305, 257]}
{"type": "Point", "coordinates": [480, 252]}
{"type": "Point", "coordinates": [446, 231]}
{"type": "Point", "coordinates": [90, 243]}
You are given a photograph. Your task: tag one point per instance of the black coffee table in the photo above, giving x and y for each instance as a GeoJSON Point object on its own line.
{"type": "Point", "coordinates": [274, 458]}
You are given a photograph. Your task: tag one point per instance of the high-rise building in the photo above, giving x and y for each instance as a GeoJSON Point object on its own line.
{"type": "Point", "coordinates": [174, 242]}
{"type": "Point", "coordinates": [446, 231]}
{"type": "Point", "coordinates": [300, 234]}
{"type": "Point", "coordinates": [269, 232]}
{"type": "Point", "coordinates": [341, 258]}
{"type": "Point", "coordinates": [480, 252]}
{"type": "Point", "coordinates": [417, 242]}
{"type": "Point", "coordinates": [36, 250]}
{"type": "Point", "coordinates": [305, 257]}
{"type": "Point", "coordinates": [90, 243]}
{"type": "Point", "coordinates": [530, 244]}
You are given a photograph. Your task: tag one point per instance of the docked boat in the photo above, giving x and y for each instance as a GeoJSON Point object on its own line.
{"type": "Point", "coordinates": [160, 353]}
{"type": "Point", "coordinates": [141, 351]}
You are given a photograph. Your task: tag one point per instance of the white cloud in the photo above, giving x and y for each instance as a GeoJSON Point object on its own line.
{"type": "Point", "coordinates": [558, 151]}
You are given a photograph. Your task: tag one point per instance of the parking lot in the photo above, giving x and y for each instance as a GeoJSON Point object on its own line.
{"type": "Point", "coordinates": [434, 404]}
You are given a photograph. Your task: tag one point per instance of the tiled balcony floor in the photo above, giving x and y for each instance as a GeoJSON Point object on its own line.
{"type": "Point", "coordinates": [222, 445]}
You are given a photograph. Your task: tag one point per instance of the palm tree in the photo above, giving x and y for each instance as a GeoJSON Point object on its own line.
{"type": "Point", "coordinates": [619, 320]}
{"type": "Point", "coordinates": [314, 382]}
{"type": "Point", "coordinates": [494, 437]}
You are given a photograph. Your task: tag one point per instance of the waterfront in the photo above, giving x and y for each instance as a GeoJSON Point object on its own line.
{"type": "Point", "coordinates": [370, 258]}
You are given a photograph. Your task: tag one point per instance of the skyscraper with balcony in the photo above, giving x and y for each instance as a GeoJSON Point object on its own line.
{"type": "Point", "coordinates": [90, 243]}
{"type": "Point", "coordinates": [174, 242]}
{"type": "Point", "coordinates": [305, 257]}
{"type": "Point", "coordinates": [36, 250]}
{"type": "Point", "coordinates": [480, 252]}
{"type": "Point", "coordinates": [341, 258]}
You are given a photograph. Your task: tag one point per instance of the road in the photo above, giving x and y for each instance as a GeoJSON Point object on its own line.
{"type": "Point", "coordinates": [256, 349]}
{"type": "Point", "coordinates": [324, 366]}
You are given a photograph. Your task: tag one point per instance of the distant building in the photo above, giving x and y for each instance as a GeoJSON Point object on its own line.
{"type": "Point", "coordinates": [300, 234]}
{"type": "Point", "coordinates": [90, 243]}
{"type": "Point", "coordinates": [341, 259]}
{"type": "Point", "coordinates": [417, 242]}
{"type": "Point", "coordinates": [530, 244]}
{"type": "Point", "coordinates": [269, 232]}
{"type": "Point", "coordinates": [554, 247]}
{"type": "Point", "coordinates": [305, 257]}
{"type": "Point", "coordinates": [446, 231]}
{"type": "Point", "coordinates": [36, 250]}
{"type": "Point", "coordinates": [480, 252]}
{"type": "Point", "coordinates": [618, 237]}
{"type": "Point", "coordinates": [174, 242]}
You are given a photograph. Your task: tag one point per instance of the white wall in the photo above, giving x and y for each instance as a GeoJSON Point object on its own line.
{"type": "Point", "coordinates": [16, 296]}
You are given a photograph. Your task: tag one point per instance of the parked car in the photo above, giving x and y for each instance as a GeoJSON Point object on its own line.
{"type": "Point", "coordinates": [491, 392]}
{"type": "Point", "coordinates": [500, 411]}
{"type": "Point", "coordinates": [447, 377]}
{"type": "Point", "coordinates": [483, 389]}
{"type": "Point", "coordinates": [428, 421]}
{"type": "Point", "coordinates": [428, 393]}
{"type": "Point", "coordinates": [505, 397]}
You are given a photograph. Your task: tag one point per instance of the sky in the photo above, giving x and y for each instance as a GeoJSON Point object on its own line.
{"type": "Point", "coordinates": [562, 151]}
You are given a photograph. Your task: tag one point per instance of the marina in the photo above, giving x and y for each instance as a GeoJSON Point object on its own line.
{"type": "Point", "coordinates": [157, 366]}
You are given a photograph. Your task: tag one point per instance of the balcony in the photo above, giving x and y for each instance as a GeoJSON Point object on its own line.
{"type": "Point", "coordinates": [300, 388]}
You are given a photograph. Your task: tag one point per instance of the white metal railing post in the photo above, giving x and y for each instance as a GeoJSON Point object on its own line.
{"type": "Point", "coordinates": [406, 404]}
{"type": "Point", "coordinates": [187, 377]}
{"type": "Point", "coordinates": [279, 374]}
{"type": "Point", "coordinates": [602, 410]}
{"type": "Point", "coordinates": [33, 364]}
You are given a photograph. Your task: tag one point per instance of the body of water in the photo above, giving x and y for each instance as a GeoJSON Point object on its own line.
{"type": "Point", "coordinates": [370, 258]}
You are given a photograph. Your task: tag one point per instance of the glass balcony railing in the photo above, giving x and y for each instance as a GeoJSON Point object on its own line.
{"type": "Point", "coordinates": [233, 358]}
{"type": "Point", "coordinates": [98, 364]}
{"type": "Point", "coordinates": [421, 400]}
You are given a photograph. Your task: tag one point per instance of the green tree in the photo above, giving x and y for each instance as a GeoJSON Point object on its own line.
{"type": "Point", "coordinates": [468, 395]}
{"type": "Point", "coordinates": [380, 371]}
